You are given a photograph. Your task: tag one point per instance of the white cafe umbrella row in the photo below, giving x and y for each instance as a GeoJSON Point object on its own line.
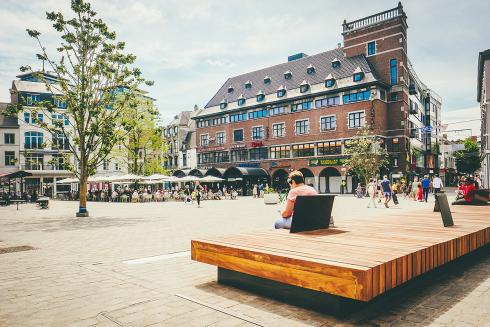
{"type": "Point", "coordinates": [153, 179]}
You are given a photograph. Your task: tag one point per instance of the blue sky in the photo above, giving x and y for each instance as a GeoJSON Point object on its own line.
{"type": "Point", "coordinates": [189, 48]}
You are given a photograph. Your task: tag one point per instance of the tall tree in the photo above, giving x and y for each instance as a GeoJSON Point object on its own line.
{"type": "Point", "coordinates": [366, 156]}
{"type": "Point", "coordinates": [145, 143]}
{"type": "Point", "coordinates": [96, 80]}
{"type": "Point", "coordinates": [468, 160]}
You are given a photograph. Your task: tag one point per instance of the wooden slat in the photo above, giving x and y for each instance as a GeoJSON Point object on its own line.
{"type": "Point", "coordinates": [360, 259]}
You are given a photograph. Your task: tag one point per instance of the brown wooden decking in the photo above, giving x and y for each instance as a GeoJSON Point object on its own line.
{"type": "Point", "coordinates": [359, 259]}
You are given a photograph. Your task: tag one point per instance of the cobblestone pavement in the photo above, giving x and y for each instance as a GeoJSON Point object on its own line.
{"type": "Point", "coordinates": [129, 265]}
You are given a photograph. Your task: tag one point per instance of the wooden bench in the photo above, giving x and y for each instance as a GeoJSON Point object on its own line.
{"type": "Point", "coordinates": [358, 260]}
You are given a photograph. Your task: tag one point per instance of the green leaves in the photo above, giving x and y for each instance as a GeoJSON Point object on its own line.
{"type": "Point", "coordinates": [33, 33]}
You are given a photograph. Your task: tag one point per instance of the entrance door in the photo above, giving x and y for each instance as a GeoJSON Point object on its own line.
{"type": "Point", "coordinates": [334, 184]}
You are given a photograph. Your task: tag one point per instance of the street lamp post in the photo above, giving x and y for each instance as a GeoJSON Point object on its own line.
{"type": "Point", "coordinates": [343, 184]}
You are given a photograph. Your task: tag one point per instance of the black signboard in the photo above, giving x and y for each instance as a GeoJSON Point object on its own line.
{"type": "Point", "coordinates": [442, 206]}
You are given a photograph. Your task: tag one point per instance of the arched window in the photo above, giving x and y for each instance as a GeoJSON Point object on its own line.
{"type": "Point", "coordinates": [33, 140]}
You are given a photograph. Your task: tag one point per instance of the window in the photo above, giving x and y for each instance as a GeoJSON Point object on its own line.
{"type": "Point", "coordinates": [356, 119]}
{"type": "Point", "coordinates": [230, 89]}
{"type": "Point", "coordinates": [241, 101]}
{"type": "Point", "coordinates": [9, 138]}
{"type": "Point", "coordinates": [302, 106]}
{"type": "Point", "coordinates": [258, 154]}
{"type": "Point", "coordinates": [328, 123]}
{"type": "Point", "coordinates": [395, 145]}
{"type": "Point", "coordinates": [239, 155]}
{"type": "Point", "coordinates": [32, 99]}
{"type": "Point", "coordinates": [221, 156]}
{"type": "Point", "coordinates": [238, 135]}
{"type": "Point", "coordinates": [258, 133]}
{"type": "Point", "coordinates": [267, 80]}
{"type": "Point", "coordinates": [278, 152]}
{"type": "Point", "coordinates": [184, 159]}
{"type": "Point", "coordinates": [304, 87]}
{"type": "Point", "coordinates": [238, 117]}
{"type": "Point", "coordinates": [281, 93]}
{"type": "Point", "coordinates": [34, 161]}
{"type": "Point", "coordinates": [335, 63]}
{"type": "Point", "coordinates": [329, 147]}
{"type": "Point", "coordinates": [358, 77]}
{"type": "Point", "coordinates": [330, 82]}
{"type": "Point", "coordinates": [60, 142]}
{"type": "Point", "coordinates": [201, 123]}
{"type": "Point", "coordinates": [27, 117]}
{"type": "Point", "coordinates": [33, 140]}
{"type": "Point", "coordinates": [394, 96]}
{"type": "Point", "coordinates": [40, 118]}
{"type": "Point", "coordinates": [304, 150]}
{"type": "Point", "coordinates": [394, 71]}
{"type": "Point", "coordinates": [288, 75]}
{"type": "Point", "coordinates": [58, 119]}
{"type": "Point", "coordinates": [277, 111]}
{"type": "Point", "coordinates": [260, 97]}
{"type": "Point", "coordinates": [310, 70]}
{"type": "Point", "coordinates": [358, 96]}
{"type": "Point", "coordinates": [371, 48]}
{"type": "Point", "coordinates": [257, 114]}
{"type": "Point", "coordinates": [117, 167]}
{"type": "Point", "coordinates": [105, 165]}
{"type": "Point", "coordinates": [248, 85]}
{"type": "Point", "coordinates": [58, 162]}
{"type": "Point", "coordinates": [220, 138]}
{"type": "Point", "coordinates": [9, 158]}
{"type": "Point", "coordinates": [204, 139]}
{"type": "Point", "coordinates": [59, 103]}
{"type": "Point", "coordinates": [278, 130]}
{"type": "Point", "coordinates": [302, 127]}
{"type": "Point", "coordinates": [331, 101]}
{"type": "Point", "coordinates": [223, 104]}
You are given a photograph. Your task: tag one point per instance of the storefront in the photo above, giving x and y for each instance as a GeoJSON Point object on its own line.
{"type": "Point", "coordinates": [244, 178]}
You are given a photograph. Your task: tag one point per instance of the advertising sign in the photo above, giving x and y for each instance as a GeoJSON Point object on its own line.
{"type": "Point", "coordinates": [326, 162]}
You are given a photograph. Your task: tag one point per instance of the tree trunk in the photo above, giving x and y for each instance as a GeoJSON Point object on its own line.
{"type": "Point", "coordinates": [82, 210]}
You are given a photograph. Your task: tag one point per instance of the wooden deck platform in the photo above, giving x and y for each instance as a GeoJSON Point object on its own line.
{"type": "Point", "coordinates": [359, 259]}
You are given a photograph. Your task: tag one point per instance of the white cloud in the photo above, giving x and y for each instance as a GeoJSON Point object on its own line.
{"type": "Point", "coordinates": [462, 123]}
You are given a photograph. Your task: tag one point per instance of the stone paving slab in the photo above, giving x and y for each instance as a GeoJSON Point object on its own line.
{"type": "Point", "coordinates": [76, 275]}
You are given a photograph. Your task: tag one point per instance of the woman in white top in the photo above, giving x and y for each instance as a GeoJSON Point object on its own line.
{"type": "Point", "coordinates": [371, 189]}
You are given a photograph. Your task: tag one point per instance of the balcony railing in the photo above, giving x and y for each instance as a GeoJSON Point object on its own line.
{"type": "Point", "coordinates": [374, 19]}
{"type": "Point", "coordinates": [34, 166]}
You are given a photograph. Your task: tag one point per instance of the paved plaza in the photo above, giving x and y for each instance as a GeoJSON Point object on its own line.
{"type": "Point", "coordinates": [129, 265]}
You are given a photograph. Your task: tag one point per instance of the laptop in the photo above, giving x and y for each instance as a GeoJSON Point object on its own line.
{"type": "Point", "coordinates": [312, 212]}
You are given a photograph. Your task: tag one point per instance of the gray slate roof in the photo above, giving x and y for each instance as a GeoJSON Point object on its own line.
{"type": "Point", "coordinates": [322, 63]}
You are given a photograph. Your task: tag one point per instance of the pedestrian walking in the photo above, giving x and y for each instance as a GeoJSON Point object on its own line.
{"type": "Point", "coordinates": [387, 190]}
{"type": "Point", "coordinates": [426, 187]}
{"type": "Point", "coordinates": [437, 184]}
{"type": "Point", "coordinates": [199, 190]}
{"type": "Point", "coordinates": [371, 191]}
{"type": "Point", "coordinates": [255, 191]}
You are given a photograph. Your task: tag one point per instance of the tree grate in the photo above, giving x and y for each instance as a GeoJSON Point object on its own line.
{"type": "Point", "coordinates": [13, 249]}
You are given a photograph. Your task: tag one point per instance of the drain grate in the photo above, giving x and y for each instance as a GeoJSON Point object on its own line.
{"type": "Point", "coordinates": [13, 249]}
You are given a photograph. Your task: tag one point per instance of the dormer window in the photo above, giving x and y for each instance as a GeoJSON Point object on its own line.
{"type": "Point", "coordinates": [358, 75]}
{"type": "Point", "coordinates": [223, 104]}
{"type": "Point", "coordinates": [335, 63]}
{"type": "Point", "coordinates": [248, 85]}
{"type": "Point", "coordinates": [329, 81]}
{"type": "Point", "coordinates": [281, 91]}
{"type": "Point", "coordinates": [267, 80]}
{"type": "Point", "coordinates": [230, 89]}
{"type": "Point", "coordinates": [260, 96]}
{"type": "Point", "coordinates": [304, 87]}
{"type": "Point", "coordinates": [310, 70]}
{"type": "Point", "coordinates": [241, 100]}
{"type": "Point", "coordinates": [288, 75]}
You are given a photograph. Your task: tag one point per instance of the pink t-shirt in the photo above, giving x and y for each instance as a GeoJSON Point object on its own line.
{"type": "Point", "coordinates": [300, 190]}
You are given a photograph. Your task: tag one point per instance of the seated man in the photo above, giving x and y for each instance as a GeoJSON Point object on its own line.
{"type": "Point", "coordinates": [297, 183]}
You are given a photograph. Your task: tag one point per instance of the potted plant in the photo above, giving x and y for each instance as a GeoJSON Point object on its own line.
{"type": "Point", "coordinates": [271, 196]}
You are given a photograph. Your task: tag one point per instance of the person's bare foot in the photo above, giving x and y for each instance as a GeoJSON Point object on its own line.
{"type": "Point", "coordinates": [386, 205]}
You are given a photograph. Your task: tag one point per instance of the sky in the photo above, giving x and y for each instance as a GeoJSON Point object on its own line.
{"type": "Point", "coordinates": [190, 47]}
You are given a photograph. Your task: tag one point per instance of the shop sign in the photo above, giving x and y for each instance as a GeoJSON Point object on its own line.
{"type": "Point", "coordinates": [281, 164]}
{"type": "Point", "coordinates": [238, 145]}
{"type": "Point", "coordinates": [249, 165]}
{"type": "Point", "coordinates": [326, 162]}
{"type": "Point", "coordinates": [256, 144]}
{"type": "Point", "coordinates": [211, 148]}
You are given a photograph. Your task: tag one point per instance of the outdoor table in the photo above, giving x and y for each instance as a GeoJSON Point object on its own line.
{"type": "Point", "coordinates": [43, 202]}
{"type": "Point", "coordinates": [17, 201]}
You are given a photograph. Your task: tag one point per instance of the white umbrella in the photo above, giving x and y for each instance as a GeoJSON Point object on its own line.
{"type": "Point", "coordinates": [67, 181]}
{"type": "Point", "coordinates": [127, 177]}
{"type": "Point", "coordinates": [189, 179]}
{"type": "Point", "coordinates": [171, 179]}
{"type": "Point", "coordinates": [155, 176]}
{"type": "Point", "coordinates": [211, 179]}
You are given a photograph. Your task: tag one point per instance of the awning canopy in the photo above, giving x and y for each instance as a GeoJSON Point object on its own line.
{"type": "Point", "coordinates": [216, 172]}
{"type": "Point", "coordinates": [181, 172]}
{"type": "Point", "coordinates": [244, 171]}
{"type": "Point", "coordinates": [197, 172]}
{"type": "Point", "coordinates": [17, 174]}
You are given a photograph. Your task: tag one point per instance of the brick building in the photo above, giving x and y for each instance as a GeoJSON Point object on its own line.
{"type": "Point", "coordinates": [300, 114]}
